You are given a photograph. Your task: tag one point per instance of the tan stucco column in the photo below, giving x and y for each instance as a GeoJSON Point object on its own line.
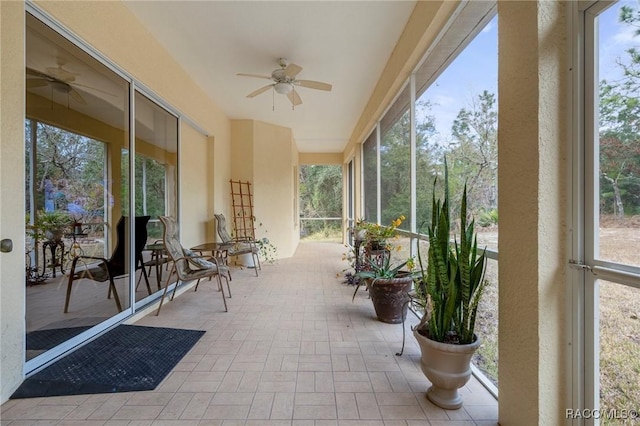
{"type": "Point", "coordinates": [12, 275]}
{"type": "Point", "coordinates": [532, 87]}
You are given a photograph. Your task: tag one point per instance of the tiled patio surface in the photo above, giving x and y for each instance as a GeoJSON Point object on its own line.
{"type": "Point", "coordinates": [292, 350]}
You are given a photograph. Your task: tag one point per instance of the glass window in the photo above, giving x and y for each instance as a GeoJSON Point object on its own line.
{"type": "Point", "coordinates": [395, 162]}
{"type": "Point", "coordinates": [613, 234]}
{"type": "Point", "coordinates": [456, 117]}
{"type": "Point", "coordinates": [486, 358]}
{"type": "Point", "coordinates": [370, 173]}
{"type": "Point", "coordinates": [619, 133]}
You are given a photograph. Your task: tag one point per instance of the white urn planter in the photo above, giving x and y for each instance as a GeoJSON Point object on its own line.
{"type": "Point", "coordinates": [246, 260]}
{"type": "Point", "coordinates": [448, 368]}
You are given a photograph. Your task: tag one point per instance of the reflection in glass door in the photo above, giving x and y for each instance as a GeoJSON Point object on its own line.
{"type": "Point", "coordinates": [77, 122]}
{"type": "Point", "coordinates": [612, 208]}
{"type": "Point", "coordinates": [155, 186]}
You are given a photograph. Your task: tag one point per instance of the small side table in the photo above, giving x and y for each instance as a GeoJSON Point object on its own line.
{"type": "Point", "coordinates": [358, 248]}
{"type": "Point", "coordinates": [75, 250]}
{"type": "Point", "coordinates": [377, 257]}
{"type": "Point", "coordinates": [56, 248]}
{"type": "Point", "coordinates": [218, 251]}
{"type": "Point", "coordinates": [158, 258]}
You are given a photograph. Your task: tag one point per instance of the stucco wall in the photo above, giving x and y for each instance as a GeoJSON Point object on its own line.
{"type": "Point", "coordinates": [273, 185]}
{"type": "Point", "coordinates": [531, 156]}
{"type": "Point", "coordinates": [12, 281]}
{"type": "Point", "coordinates": [266, 155]}
{"type": "Point", "coordinates": [219, 173]}
{"type": "Point", "coordinates": [242, 137]}
{"type": "Point", "coordinates": [195, 193]}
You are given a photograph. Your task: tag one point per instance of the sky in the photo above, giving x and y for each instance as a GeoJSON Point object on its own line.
{"type": "Point", "coordinates": [615, 39]}
{"type": "Point", "coordinates": [476, 68]}
{"type": "Point", "coordinates": [472, 72]}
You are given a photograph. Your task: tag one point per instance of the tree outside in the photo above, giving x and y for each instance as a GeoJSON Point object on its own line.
{"type": "Point", "coordinates": [320, 198]}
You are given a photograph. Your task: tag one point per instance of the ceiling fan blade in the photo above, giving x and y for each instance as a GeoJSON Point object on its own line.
{"type": "Point", "coordinates": [294, 98]}
{"type": "Point", "coordinates": [292, 70]}
{"type": "Point", "coordinates": [36, 73]}
{"type": "Point", "coordinates": [31, 83]}
{"type": "Point", "coordinates": [241, 74]}
{"type": "Point", "coordinates": [314, 85]}
{"type": "Point", "coordinates": [76, 96]}
{"type": "Point", "coordinates": [62, 74]}
{"type": "Point", "coordinates": [93, 88]}
{"type": "Point", "coordinates": [260, 90]}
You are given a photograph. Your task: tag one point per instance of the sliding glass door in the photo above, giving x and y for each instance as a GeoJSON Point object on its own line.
{"type": "Point", "coordinates": [87, 264]}
{"type": "Point", "coordinates": [77, 123]}
{"type": "Point", "coordinates": [155, 184]}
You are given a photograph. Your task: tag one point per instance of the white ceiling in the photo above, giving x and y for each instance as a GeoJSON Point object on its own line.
{"type": "Point", "coordinates": [344, 43]}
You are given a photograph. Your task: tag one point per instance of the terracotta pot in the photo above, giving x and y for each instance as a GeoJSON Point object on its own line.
{"type": "Point", "coordinates": [448, 368]}
{"type": "Point", "coordinates": [389, 297]}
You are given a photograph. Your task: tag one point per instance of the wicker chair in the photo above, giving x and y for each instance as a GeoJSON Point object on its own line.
{"type": "Point", "coordinates": [188, 265]}
{"type": "Point", "coordinates": [240, 245]}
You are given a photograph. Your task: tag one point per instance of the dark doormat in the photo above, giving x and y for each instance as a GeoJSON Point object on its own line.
{"type": "Point", "coordinates": [127, 358]}
{"type": "Point", "coordinates": [47, 339]}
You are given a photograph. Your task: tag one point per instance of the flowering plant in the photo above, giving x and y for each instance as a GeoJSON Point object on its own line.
{"type": "Point", "coordinates": [376, 234]}
{"type": "Point", "coordinates": [375, 237]}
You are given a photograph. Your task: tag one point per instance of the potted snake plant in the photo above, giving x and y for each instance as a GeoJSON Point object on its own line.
{"type": "Point", "coordinates": [450, 289]}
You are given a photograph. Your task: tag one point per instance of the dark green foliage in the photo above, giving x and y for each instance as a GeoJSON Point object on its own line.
{"type": "Point", "coordinates": [69, 172]}
{"type": "Point", "coordinates": [321, 196]}
{"type": "Point", "coordinates": [488, 218]}
{"type": "Point", "coordinates": [375, 271]}
{"type": "Point", "coordinates": [452, 284]}
{"type": "Point", "coordinates": [472, 153]}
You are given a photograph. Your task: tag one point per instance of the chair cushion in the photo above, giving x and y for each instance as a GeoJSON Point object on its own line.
{"type": "Point", "coordinates": [201, 263]}
{"type": "Point", "coordinates": [242, 248]}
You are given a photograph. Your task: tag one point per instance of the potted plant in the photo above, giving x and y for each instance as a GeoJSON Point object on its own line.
{"type": "Point", "coordinates": [388, 287]}
{"type": "Point", "coordinates": [52, 224]}
{"type": "Point", "coordinates": [450, 290]}
{"type": "Point", "coordinates": [376, 237]}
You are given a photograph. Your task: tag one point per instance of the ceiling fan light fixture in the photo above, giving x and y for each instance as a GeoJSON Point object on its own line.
{"type": "Point", "coordinates": [60, 86]}
{"type": "Point", "coordinates": [283, 88]}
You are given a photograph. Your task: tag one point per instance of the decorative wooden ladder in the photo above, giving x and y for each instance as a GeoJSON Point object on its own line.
{"type": "Point", "coordinates": [242, 203]}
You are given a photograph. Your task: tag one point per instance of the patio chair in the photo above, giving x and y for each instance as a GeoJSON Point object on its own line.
{"type": "Point", "coordinates": [188, 265]}
{"type": "Point", "coordinates": [114, 267]}
{"type": "Point", "coordinates": [239, 245]}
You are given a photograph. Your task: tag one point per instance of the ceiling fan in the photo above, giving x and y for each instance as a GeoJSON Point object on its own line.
{"type": "Point", "coordinates": [58, 78]}
{"type": "Point", "coordinates": [284, 82]}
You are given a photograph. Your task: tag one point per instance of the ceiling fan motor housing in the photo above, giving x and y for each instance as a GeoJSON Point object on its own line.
{"type": "Point", "coordinates": [283, 88]}
{"type": "Point", "coordinates": [283, 82]}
